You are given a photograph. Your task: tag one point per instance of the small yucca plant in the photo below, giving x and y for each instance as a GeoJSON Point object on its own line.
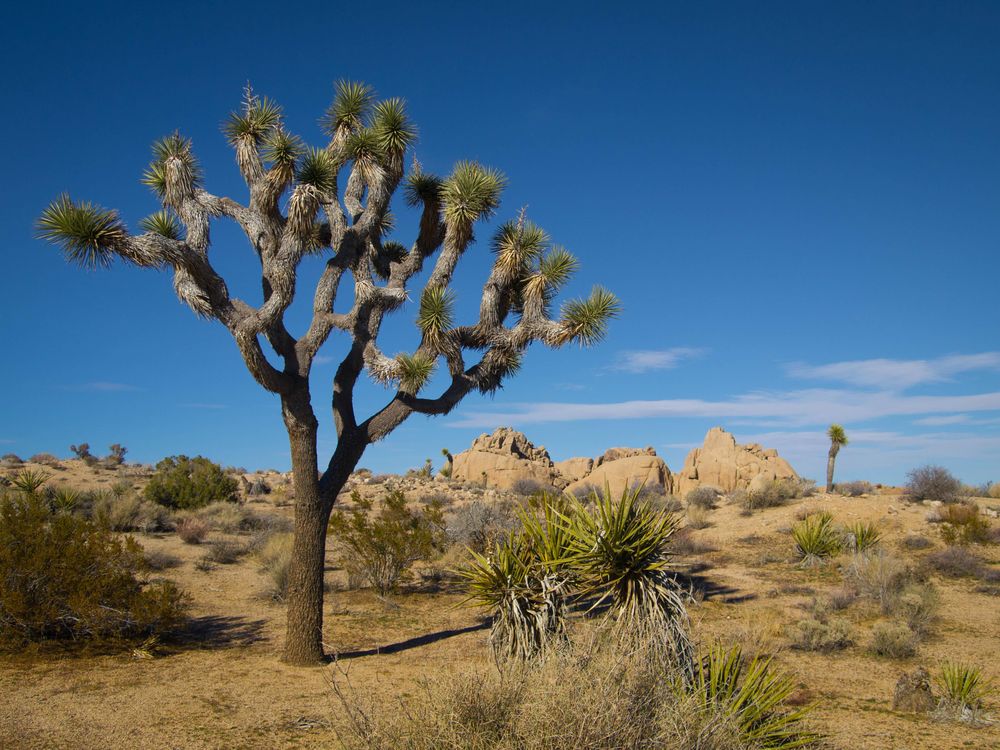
{"type": "Point", "coordinates": [864, 536]}
{"type": "Point", "coordinates": [815, 538]}
{"type": "Point", "coordinates": [753, 696]}
{"type": "Point", "coordinates": [620, 552]}
{"type": "Point", "coordinates": [963, 686]}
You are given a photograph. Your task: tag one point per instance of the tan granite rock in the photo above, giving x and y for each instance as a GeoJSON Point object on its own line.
{"type": "Point", "coordinates": [724, 464]}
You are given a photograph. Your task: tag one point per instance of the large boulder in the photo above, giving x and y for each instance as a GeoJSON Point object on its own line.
{"type": "Point", "coordinates": [640, 467]}
{"type": "Point", "coordinates": [576, 468]}
{"type": "Point", "coordinates": [722, 463]}
{"type": "Point", "coordinates": [502, 459]}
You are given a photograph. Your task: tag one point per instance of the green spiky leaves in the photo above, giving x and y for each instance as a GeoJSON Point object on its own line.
{"type": "Point", "coordinates": [517, 244]}
{"type": "Point", "coordinates": [422, 188]}
{"type": "Point", "coordinates": [837, 435]}
{"type": "Point", "coordinates": [319, 169]}
{"type": "Point", "coordinates": [162, 223]}
{"type": "Point", "coordinates": [415, 371]}
{"type": "Point", "coordinates": [471, 192]}
{"type": "Point", "coordinates": [86, 232]}
{"type": "Point", "coordinates": [351, 104]}
{"type": "Point", "coordinates": [586, 320]}
{"type": "Point", "coordinates": [392, 127]}
{"type": "Point", "coordinates": [435, 316]}
{"type": "Point", "coordinates": [258, 118]}
{"type": "Point", "coordinates": [171, 184]}
{"type": "Point", "coordinates": [281, 149]}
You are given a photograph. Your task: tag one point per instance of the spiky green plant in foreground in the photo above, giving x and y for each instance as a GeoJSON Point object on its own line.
{"type": "Point", "coordinates": [753, 694]}
{"type": "Point", "coordinates": [333, 200]}
{"type": "Point", "coordinates": [963, 686]}
{"type": "Point", "coordinates": [816, 539]}
{"type": "Point", "coordinates": [864, 536]}
{"type": "Point", "coordinates": [620, 553]}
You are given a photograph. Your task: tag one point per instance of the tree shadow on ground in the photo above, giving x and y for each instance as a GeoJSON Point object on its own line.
{"type": "Point", "coordinates": [705, 589]}
{"type": "Point", "coordinates": [213, 632]}
{"type": "Point", "coordinates": [415, 642]}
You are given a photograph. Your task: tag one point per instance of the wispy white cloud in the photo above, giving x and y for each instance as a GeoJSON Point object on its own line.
{"type": "Point", "coordinates": [950, 419]}
{"type": "Point", "coordinates": [102, 386]}
{"type": "Point", "coordinates": [791, 408]}
{"type": "Point", "coordinates": [897, 374]}
{"type": "Point", "coordinates": [638, 361]}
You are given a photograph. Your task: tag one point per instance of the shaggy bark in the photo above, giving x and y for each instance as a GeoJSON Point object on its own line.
{"type": "Point", "coordinates": [372, 141]}
{"type": "Point", "coordinates": [831, 460]}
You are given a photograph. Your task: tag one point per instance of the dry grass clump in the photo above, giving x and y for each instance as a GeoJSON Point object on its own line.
{"type": "Point", "coordinates": [854, 489]}
{"type": "Point", "coordinates": [275, 557]}
{"type": "Point", "coordinates": [916, 542]}
{"type": "Point", "coordinates": [127, 512]}
{"type": "Point", "coordinates": [772, 494]}
{"type": "Point", "coordinates": [46, 459]}
{"type": "Point", "coordinates": [158, 560]}
{"type": "Point", "coordinates": [230, 518]}
{"type": "Point", "coordinates": [705, 497]}
{"type": "Point", "coordinates": [684, 542]}
{"type": "Point", "coordinates": [226, 552]}
{"type": "Point", "coordinates": [192, 530]}
{"type": "Point", "coordinates": [962, 523]}
{"type": "Point", "coordinates": [959, 562]}
{"type": "Point", "coordinates": [698, 517]}
{"type": "Point", "coordinates": [586, 699]}
{"type": "Point", "coordinates": [10, 461]}
{"type": "Point", "coordinates": [479, 524]}
{"type": "Point", "coordinates": [813, 634]}
{"type": "Point", "coordinates": [892, 640]}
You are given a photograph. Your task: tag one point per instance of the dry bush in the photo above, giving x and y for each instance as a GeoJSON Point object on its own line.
{"type": "Point", "coordinates": [698, 517]}
{"type": "Point", "coordinates": [932, 483]}
{"type": "Point", "coordinates": [918, 606]}
{"type": "Point", "coordinates": [962, 523]}
{"type": "Point", "coordinates": [879, 577]}
{"type": "Point", "coordinates": [958, 562]}
{"type": "Point", "coordinates": [226, 552]}
{"type": "Point", "coordinates": [842, 598]}
{"type": "Point", "coordinates": [531, 487]}
{"type": "Point", "coordinates": [275, 557]}
{"type": "Point", "coordinates": [916, 542]}
{"type": "Point", "coordinates": [775, 493]}
{"type": "Point", "coordinates": [10, 461]}
{"type": "Point", "coordinates": [815, 635]}
{"type": "Point", "coordinates": [683, 542]}
{"type": "Point", "coordinates": [192, 530]}
{"type": "Point", "coordinates": [158, 560]}
{"type": "Point", "coordinates": [892, 640]}
{"type": "Point", "coordinates": [46, 459]}
{"type": "Point", "coordinates": [128, 512]}
{"type": "Point", "coordinates": [227, 517]}
{"type": "Point", "coordinates": [994, 491]}
{"type": "Point", "coordinates": [479, 523]}
{"type": "Point", "coordinates": [63, 577]}
{"type": "Point", "coordinates": [855, 488]}
{"type": "Point", "coordinates": [705, 497]}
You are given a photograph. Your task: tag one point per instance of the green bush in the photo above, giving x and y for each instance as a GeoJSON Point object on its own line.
{"type": "Point", "coordinates": [814, 635]}
{"type": "Point", "coordinates": [963, 687]}
{"type": "Point", "coordinates": [182, 482]}
{"type": "Point", "coordinates": [815, 538]}
{"type": "Point", "coordinates": [962, 523]}
{"type": "Point", "coordinates": [65, 577]}
{"type": "Point", "coordinates": [381, 547]}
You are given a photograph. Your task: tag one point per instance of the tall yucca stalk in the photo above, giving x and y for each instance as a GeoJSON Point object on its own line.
{"type": "Point", "coordinates": [753, 695]}
{"type": "Point", "coordinates": [620, 552]}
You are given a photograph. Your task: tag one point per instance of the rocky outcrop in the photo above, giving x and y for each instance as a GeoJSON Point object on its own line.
{"type": "Point", "coordinates": [722, 463]}
{"type": "Point", "coordinates": [502, 459]}
{"type": "Point", "coordinates": [616, 454]}
{"type": "Point", "coordinates": [573, 469]}
{"type": "Point", "coordinates": [638, 467]}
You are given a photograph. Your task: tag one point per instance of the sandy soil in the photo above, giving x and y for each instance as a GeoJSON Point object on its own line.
{"type": "Point", "coordinates": [225, 687]}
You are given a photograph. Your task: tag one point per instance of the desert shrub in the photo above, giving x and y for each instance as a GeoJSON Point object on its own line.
{"type": "Point", "coordinates": [705, 497]}
{"type": "Point", "coordinates": [275, 558]}
{"type": "Point", "coordinates": [478, 524]}
{"type": "Point", "coordinates": [45, 459]}
{"type": "Point", "coordinates": [426, 471]}
{"type": "Point", "coordinates": [963, 688]}
{"type": "Point", "coordinates": [65, 577]}
{"type": "Point", "coordinates": [159, 560]}
{"type": "Point", "coordinates": [227, 517]}
{"type": "Point", "coordinates": [994, 490]}
{"type": "Point", "coordinates": [10, 461]}
{"type": "Point", "coordinates": [631, 704]}
{"type": "Point", "coordinates": [892, 640]}
{"type": "Point", "coordinates": [814, 635]}
{"type": "Point", "coordinates": [774, 493]}
{"type": "Point", "coordinates": [856, 488]}
{"type": "Point", "coordinates": [529, 487]}
{"type": "Point", "coordinates": [863, 536]}
{"type": "Point", "coordinates": [128, 513]}
{"type": "Point", "coordinates": [932, 483]}
{"type": "Point", "coordinates": [955, 562]}
{"type": "Point", "coordinates": [383, 546]}
{"type": "Point", "coordinates": [258, 488]}
{"type": "Point", "coordinates": [962, 523]}
{"type": "Point", "coordinates": [815, 539]}
{"type": "Point", "coordinates": [916, 542]}
{"type": "Point", "coordinates": [698, 517]}
{"type": "Point", "coordinates": [586, 491]}
{"type": "Point", "coordinates": [192, 530]}
{"type": "Point", "coordinates": [649, 492]}
{"type": "Point", "coordinates": [665, 503]}
{"type": "Point", "coordinates": [683, 542]}
{"type": "Point", "coordinates": [225, 552]}
{"type": "Point", "coordinates": [82, 451]}
{"type": "Point", "coordinates": [841, 598]}
{"type": "Point", "coordinates": [116, 454]}
{"type": "Point", "coordinates": [917, 605]}
{"type": "Point", "coordinates": [182, 482]}
{"type": "Point", "coordinates": [879, 577]}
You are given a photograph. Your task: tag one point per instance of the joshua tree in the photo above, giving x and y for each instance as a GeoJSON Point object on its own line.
{"type": "Point", "coordinates": [368, 143]}
{"type": "Point", "coordinates": [838, 439]}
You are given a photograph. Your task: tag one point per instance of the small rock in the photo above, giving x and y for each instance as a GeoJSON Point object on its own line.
{"type": "Point", "coordinates": [913, 692]}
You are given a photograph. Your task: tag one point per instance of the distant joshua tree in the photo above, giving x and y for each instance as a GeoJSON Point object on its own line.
{"type": "Point", "coordinates": [838, 439]}
{"type": "Point", "coordinates": [368, 142]}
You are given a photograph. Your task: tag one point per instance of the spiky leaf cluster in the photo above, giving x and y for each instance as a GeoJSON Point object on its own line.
{"type": "Point", "coordinates": [517, 244]}
{"type": "Point", "coordinates": [422, 187]}
{"type": "Point", "coordinates": [391, 252]}
{"type": "Point", "coordinates": [258, 118]}
{"type": "Point", "coordinates": [319, 169]}
{"type": "Point", "coordinates": [436, 311]}
{"type": "Point", "coordinates": [282, 149]}
{"type": "Point", "coordinates": [86, 232]}
{"type": "Point", "coordinates": [415, 371]}
{"type": "Point", "coordinates": [392, 128]}
{"type": "Point", "coordinates": [351, 103]}
{"type": "Point", "coordinates": [173, 146]}
{"type": "Point", "coordinates": [837, 435]}
{"type": "Point", "coordinates": [586, 321]}
{"type": "Point", "coordinates": [471, 192]}
{"type": "Point", "coordinates": [163, 223]}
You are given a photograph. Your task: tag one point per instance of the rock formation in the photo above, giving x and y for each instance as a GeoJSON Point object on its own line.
{"type": "Point", "coordinates": [637, 467]}
{"type": "Point", "coordinates": [503, 459]}
{"type": "Point", "coordinates": [722, 463]}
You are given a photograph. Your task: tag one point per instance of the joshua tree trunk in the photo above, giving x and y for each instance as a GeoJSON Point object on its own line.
{"type": "Point", "coordinates": [347, 224]}
{"type": "Point", "coordinates": [830, 461]}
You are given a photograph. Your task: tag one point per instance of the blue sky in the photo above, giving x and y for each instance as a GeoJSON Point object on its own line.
{"type": "Point", "coordinates": [798, 204]}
